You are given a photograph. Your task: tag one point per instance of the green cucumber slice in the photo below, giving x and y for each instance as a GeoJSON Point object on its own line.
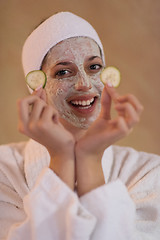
{"type": "Point", "coordinates": [111, 75]}
{"type": "Point", "coordinates": [36, 78]}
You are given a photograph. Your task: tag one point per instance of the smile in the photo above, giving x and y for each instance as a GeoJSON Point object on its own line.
{"type": "Point", "coordinates": [83, 104]}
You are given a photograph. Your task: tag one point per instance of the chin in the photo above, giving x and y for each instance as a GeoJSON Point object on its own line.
{"type": "Point", "coordinates": [77, 122]}
{"type": "Point", "coordinates": [71, 118]}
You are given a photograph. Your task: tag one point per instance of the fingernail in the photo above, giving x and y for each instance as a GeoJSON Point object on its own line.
{"type": "Point", "coordinates": [39, 87]}
{"type": "Point", "coordinates": [118, 98]}
{"type": "Point", "coordinates": [109, 84]}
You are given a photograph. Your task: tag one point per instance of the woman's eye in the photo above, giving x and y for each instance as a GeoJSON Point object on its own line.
{"type": "Point", "coordinates": [95, 67]}
{"type": "Point", "coordinates": [61, 73]}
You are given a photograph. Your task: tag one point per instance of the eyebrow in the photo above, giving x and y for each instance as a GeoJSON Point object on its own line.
{"type": "Point", "coordinates": [93, 57]}
{"type": "Point", "coordinates": [63, 63]}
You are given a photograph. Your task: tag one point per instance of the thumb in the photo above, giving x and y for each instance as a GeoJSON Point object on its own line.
{"type": "Point", "coordinates": [105, 104]}
{"type": "Point", "coordinates": [40, 92]}
{"type": "Point", "coordinates": [43, 95]}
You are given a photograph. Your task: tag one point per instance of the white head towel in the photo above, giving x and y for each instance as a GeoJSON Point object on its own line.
{"type": "Point", "coordinates": [56, 28]}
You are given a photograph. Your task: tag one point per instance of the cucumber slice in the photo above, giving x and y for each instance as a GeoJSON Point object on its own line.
{"type": "Point", "coordinates": [111, 75]}
{"type": "Point", "coordinates": [36, 78]}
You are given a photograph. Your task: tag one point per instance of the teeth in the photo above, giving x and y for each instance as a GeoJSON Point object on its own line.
{"type": "Point", "coordinates": [83, 102]}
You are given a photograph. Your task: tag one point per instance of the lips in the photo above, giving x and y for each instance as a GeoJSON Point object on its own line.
{"type": "Point", "coordinates": [83, 104]}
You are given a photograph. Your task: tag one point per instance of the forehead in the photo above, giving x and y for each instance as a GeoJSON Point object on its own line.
{"type": "Point", "coordinates": [74, 49]}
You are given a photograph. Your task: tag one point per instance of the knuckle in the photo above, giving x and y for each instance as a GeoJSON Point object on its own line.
{"type": "Point", "coordinates": [22, 129]}
{"type": "Point", "coordinates": [127, 106]}
{"type": "Point", "coordinates": [31, 126]}
{"type": "Point", "coordinates": [141, 108]}
{"type": "Point", "coordinates": [42, 126]}
{"type": "Point", "coordinates": [122, 126]}
{"type": "Point", "coordinates": [20, 102]}
{"type": "Point", "coordinates": [39, 100]}
{"type": "Point", "coordinates": [124, 131]}
{"type": "Point", "coordinates": [130, 96]}
{"type": "Point", "coordinates": [51, 108]}
{"type": "Point", "coordinates": [136, 120]}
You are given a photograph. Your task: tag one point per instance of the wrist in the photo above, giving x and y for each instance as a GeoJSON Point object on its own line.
{"type": "Point", "coordinates": [64, 167]}
{"type": "Point", "coordinates": [89, 173]}
{"type": "Point", "coordinates": [65, 152]}
{"type": "Point", "coordinates": [88, 156]}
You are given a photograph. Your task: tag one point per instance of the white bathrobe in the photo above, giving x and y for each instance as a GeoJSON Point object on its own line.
{"type": "Point", "coordinates": [36, 205]}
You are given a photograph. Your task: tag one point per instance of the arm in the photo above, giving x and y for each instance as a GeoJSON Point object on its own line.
{"type": "Point", "coordinates": [51, 211]}
{"type": "Point", "coordinates": [40, 122]}
{"type": "Point", "coordinates": [52, 208]}
{"type": "Point", "coordinates": [102, 133]}
{"type": "Point", "coordinates": [130, 208]}
{"type": "Point", "coordinates": [114, 211]}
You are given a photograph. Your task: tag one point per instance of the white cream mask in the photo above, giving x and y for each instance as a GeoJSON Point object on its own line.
{"type": "Point", "coordinates": [73, 87]}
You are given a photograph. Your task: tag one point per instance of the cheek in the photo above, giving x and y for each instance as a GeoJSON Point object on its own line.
{"type": "Point", "coordinates": [56, 90]}
{"type": "Point", "coordinates": [97, 82]}
{"type": "Point", "coordinates": [51, 88]}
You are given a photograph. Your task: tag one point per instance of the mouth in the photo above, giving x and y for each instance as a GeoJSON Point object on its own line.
{"type": "Point", "coordinates": [83, 104]}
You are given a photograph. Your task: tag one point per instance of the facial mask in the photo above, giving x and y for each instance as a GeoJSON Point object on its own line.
{"type": "Point", "coordinates": [60, 89]}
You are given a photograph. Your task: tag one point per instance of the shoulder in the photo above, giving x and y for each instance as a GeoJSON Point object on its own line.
{"type": "Point", "coordinates": [12, 153]}
{"type": "Point", "coordinates": [128, 154]}
{"type": "Point", "coordinates": [11, 162]}
{"type": "Point", "coordinates": [12, 176]}
{"type": "Point", "coordinates": [18, 146]}
{"type": "Point", "coordinates": [130, 165]}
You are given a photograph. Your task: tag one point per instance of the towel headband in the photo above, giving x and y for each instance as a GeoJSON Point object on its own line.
{"type": "Point", "coordinates": [55, 29]}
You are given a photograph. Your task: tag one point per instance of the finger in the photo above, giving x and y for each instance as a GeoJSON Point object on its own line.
{"type": "Point", "coordinates": [49, 114]}
{"type": "Point", "coordinates": [112, 92]}
{"type": "Point", "coordinates": [119, 129]}
{"type": "Point", "coordinates": [43, 95]}
{"type": "Point", "coordinates": [38, 92]}
{"type": "Point", "coordinates": [128, 112]}
{"type": "Point", "coordinates": [122, 126]}
{"type": "Point", "coordinates": [24, 108]}
{"type": "Point", "coordinates": [133, 100]}
{"type": "Point", "coordinates": [105, 105]}
{"type": "Point", "coordinates": [37, 110]}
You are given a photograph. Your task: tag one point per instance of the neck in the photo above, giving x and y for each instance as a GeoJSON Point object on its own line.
{"type": "Point", "coordinates": [76, 132]}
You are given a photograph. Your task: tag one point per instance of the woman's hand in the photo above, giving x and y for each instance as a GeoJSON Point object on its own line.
{"type": "Point", "coordinates": [40, 122]}
{"type": "Point", "coordinates": [103, 133]}
{"type": "Point", "coordinates": [106, 131]}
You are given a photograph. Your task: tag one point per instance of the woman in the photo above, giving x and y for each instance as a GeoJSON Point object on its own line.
{"type": "Point", "coordinates": [69, 182]}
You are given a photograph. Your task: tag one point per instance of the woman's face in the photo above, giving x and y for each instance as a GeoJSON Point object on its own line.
{"type": "Point", "coordinates": [73, 80]}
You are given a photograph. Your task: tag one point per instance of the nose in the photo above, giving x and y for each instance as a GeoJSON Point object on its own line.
{"type": "Point", "coordinates": [83, 83]}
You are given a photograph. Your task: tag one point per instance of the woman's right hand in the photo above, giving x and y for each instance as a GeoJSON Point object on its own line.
{"type": "Point", "coordinates": [39, 121]}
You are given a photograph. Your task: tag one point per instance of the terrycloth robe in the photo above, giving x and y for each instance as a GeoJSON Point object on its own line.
{"type": "Point", "coordinates": [35, 204]}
